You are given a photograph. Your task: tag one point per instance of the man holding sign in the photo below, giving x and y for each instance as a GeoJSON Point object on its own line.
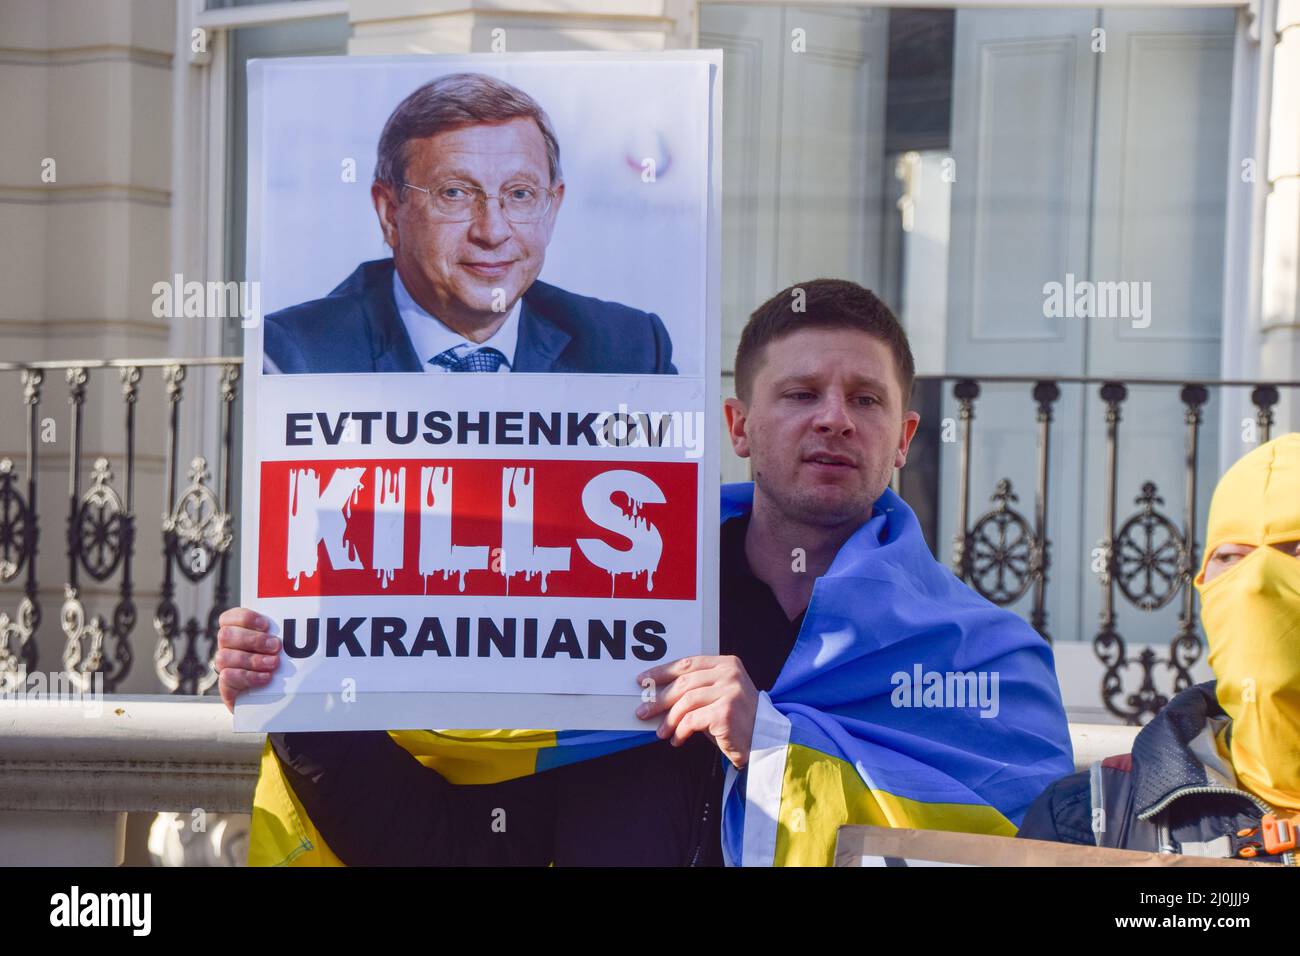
{"type": "Point", "coordinates": [839, 696]}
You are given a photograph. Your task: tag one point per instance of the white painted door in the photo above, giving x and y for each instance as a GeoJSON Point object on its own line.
{"type": "Point", "coordinates": [1161, 181]}
{"type": "Point", "coordinates": [1109, 164]}
{"type": "Point", "coordinates": [1022, 127]}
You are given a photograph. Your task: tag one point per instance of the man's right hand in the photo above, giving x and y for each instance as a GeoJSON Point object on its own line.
{"type": "Point", "coordinates": [246, 653]}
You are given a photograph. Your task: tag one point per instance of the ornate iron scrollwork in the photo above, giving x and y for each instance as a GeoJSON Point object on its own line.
{"type": "Point", "coordinates": [98, 525]}
{"type": "Point", "coordinates": [79, 660]}
{"type": "Point", "coordinates": [197, 530]}
{"type": "Point", "coordinates": [197, 535]}
{"type": "Point", "coordinates": [101, 537]}
{"type": "Point", "coordinates": [1151, 562]}
{"type": "Point", "coordinates": [19, 534]}
{"type": "Point", "coordinates": [1150, 555]}
{"type": "Point", "coordinates": [15, 524]}
{"type": "Point", "coordinates": [79, 629]}
{"type": "Point", "coordinates": [1004, 553]}
{"type": "Point", "coordinates": [15, 644]}
{"type": "Point", "coordinates": [1146, 701]}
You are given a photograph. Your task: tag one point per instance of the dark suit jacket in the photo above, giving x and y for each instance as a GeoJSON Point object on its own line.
{"type": "Point", "coordinates": [356, 328]}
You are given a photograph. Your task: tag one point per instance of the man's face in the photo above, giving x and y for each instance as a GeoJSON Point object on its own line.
{"type": "Point", "coordinates": [825, 425]}
{"type": "Point", "coordinates": [454, 269]}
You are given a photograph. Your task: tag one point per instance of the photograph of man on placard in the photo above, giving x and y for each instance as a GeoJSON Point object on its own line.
{"type": "Point", "coordinates": [467, 188]}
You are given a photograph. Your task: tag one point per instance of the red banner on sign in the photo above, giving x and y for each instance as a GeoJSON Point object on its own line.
{"type": "Point", "coordinates": [419, 526]}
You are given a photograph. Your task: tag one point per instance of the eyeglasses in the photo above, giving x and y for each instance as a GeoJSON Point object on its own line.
{"type": "Point", "coordinates": [458, 202]}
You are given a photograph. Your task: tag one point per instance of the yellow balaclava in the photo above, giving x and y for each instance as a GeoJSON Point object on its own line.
{"type": "Point", "coordinates": [1251, 615]}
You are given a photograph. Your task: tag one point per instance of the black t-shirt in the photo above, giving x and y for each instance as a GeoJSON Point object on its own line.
{"type": "Point", "coordinates": [653, 805]}
{"type": "Point", "coordinates": [753, 625]}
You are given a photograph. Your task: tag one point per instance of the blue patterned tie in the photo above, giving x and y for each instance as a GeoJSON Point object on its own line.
{"type": "Point", "coordinates": [479, 360]}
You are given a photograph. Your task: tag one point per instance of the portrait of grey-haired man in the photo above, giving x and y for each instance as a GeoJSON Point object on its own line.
{"type": "Point", "coordinates": [467, 188]}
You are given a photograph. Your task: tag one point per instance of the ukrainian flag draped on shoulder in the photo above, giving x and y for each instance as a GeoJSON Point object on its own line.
{"type": "Point", "coordinates": [907, 701]}
{"type": "Point", "coordinates": [860, 727]}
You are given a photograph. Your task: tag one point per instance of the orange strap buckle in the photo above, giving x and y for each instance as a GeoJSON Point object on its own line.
{"type": "Point", "coordinates": [1279, 833]}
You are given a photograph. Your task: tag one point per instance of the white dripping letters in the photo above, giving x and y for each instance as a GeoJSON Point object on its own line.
{"type": "Point", "coordinates": [390, 515]}
{"type": "Point", "coordinates": [316, 516]}
{"type": "Point", "coordinates": [437, 553]}
{"type": "Point", "coordinates": [517, 550]}
{"type": "Point", "coordinates": [647, 545]}
{"type": "Point", "coordinates": [319, 515]}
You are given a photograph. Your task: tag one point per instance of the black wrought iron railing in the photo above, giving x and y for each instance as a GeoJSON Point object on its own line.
{"type": "Point", "coordinates": [1145, 557]}
{"type": "Point", "coordinates": [101, 526]}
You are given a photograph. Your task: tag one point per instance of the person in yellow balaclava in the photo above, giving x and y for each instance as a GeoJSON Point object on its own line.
{"type": "Point", "coordinates": [1217, 772]}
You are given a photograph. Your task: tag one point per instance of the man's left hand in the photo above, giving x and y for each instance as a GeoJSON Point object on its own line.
{"type": "Point", "coordinates": [713, 695]}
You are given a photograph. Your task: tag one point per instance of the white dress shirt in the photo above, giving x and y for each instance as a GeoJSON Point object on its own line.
{"type": "Point", "coordinates": [431, 337]}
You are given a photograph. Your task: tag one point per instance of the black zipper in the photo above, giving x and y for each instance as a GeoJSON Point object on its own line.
{"type": "Point", "coordinates": [1287, 857]}
{"type": "Point", "coordinates": [709, 791]}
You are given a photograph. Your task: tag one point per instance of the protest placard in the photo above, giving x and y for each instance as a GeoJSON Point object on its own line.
{"type": "Point", "coordinates": [510, 547]}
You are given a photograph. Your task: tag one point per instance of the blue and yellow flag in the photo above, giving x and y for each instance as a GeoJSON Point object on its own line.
{"type": "Point", "coordinates": [907, 701]}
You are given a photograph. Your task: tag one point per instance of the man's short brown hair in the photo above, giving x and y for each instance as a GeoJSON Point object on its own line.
{"type": "Point", "coordinates": [453, 102]}
{"type": "Point", "coordinates": [821, 304]}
